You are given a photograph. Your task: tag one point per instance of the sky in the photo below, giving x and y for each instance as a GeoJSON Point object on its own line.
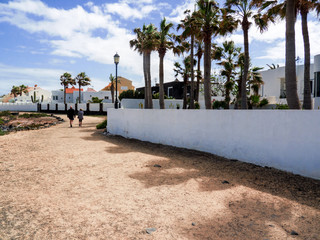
{"type": "Point", "coordinates": [42, 39]}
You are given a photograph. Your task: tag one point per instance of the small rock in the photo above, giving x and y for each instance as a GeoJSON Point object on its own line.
{"type": "Point", "coordinates": [293, 233]}
{"type": "Point", "coordinates": [150, 230]}
{"type": "Point", "coordinates": [225, 182]}
{"type": "Point", "coordinates": [157, 165]}
{"type": "Point", "coordinates": [193, 224]}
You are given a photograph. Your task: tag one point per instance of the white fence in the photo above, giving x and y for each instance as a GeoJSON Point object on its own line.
{"type": "Point", "coordinates": [284, 139]}
{"type": "Point", "coordinates": [23, 107]}
{"type": "Point", "coordinates": [33, 107]}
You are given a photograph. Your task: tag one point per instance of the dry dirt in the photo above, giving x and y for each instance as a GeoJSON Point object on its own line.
{"type": "Point", "coordinates": [76, 183]}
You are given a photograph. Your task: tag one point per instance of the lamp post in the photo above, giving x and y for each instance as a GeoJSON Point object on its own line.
{"type": "Point", "coordinates": [116, 58]}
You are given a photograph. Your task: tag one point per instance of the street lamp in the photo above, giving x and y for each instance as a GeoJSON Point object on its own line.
{"type": "Point", "coordinates": [116, 58]}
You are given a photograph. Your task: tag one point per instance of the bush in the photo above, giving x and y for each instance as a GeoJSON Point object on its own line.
{"type": "Point", "coordinates": [2, 133]}
{"type": "Point", "coordinates": [131, 94]}
{"type": "Point", "coordinates": [263, 102]}
{"type": "Point", "coordinates": [282, 106]}
{"type": "Point", "coordinates": [5, 113]}
{"type": "Point", "coordinates": [95, 100]}
{"type": "Point", "coordinates": [196, 105]}
{"type": "Point", "coordinates": [219, 104]}
{"type": "Point", "coordinates": [102, 125]}
{"type": "Point", "coordinates": [33, 115]}
{"type": "Point", "coordinates": [1, 121]}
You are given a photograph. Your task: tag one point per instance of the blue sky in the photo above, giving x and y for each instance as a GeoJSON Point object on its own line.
{"type": "Point", "coordinates": [40, 40]}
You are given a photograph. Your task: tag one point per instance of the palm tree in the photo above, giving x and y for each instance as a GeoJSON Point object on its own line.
{"type": "Point", "coordinates": [65, 80]}
{"type": "Point", "coordinates": [22, 89]}
{"type": "Point", "coordinates": [255, 79]}
{"type": "Point", "coordinates": [145, 44]}
{"type": "Point", "coordinates": [191, 28]}
{"type": "Point", "coordinates": [245, 9]}
{"type": "Point", "coordinates": [303, 7]}
{"type": "Point", "coordinates": [199, 53]}
{"type": "Point", "coordinates": [185, 73]}
{"type": "Point", "coordinates": [228, 56]}
{"type": "Point", "coordinates": [83, 80]}
{"type": "Point", "coordinates": [207, 17]}
{"type": "Point", "coordinates": [112, 81]}
{"type": "Point", "coordinates": [15, 91]}
{"type": "Point", "coordinates": [162, 44]}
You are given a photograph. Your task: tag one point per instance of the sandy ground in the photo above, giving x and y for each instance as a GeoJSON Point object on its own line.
{"type": "Point", "coordinates": [76, 183]}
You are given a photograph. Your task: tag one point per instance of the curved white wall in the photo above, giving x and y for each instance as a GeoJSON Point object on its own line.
{"type": "Point", "coordinates": [316, 63]}
{"type": "Point", "coordinates": [287, 140]}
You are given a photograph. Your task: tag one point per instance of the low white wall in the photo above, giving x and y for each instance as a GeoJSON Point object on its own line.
{"type": "Point", "coordinates": [284, 139]}
{"type": "Point", "coordinates": [27, 107]}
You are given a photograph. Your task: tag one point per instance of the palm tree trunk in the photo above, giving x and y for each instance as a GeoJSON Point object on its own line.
{"type": "Point", "coordinates": [290, 71]}
{"type": "Point", "coordinates": [227, 97]}
{"type": "Point", "coordinates": [64, 94]}
{"type": "Point", "coordinates": [245, 28]}
{"type": "Point", "coordinates": [149, 80]}
{"type": "Point", "coordinates": [79, 91]}
{"type": "Point", "coordinates": [192, 74]}
{"type": "Point", "coordinates": [207, 71]}
{"type": "Point", "coordinates": [198, 79]}
{"type": "Point", "coordinates": [146, 99]}
{"type": "Point", "coordinates": [307, 103]}
{"type": "Point", "coordinates": [161, 91]}
{"type": "Point", "coordinates": [185, 87]}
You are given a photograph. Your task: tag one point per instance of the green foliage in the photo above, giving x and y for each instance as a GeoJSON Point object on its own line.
{"type": "Point", "coordinates": [131, 94]}
{"type": "Point", "coordinates": [254, 100]}
{"type": "Point", "coordinates": [196, 105]}
{"type": "Point", "coordinates": [2, 133]}
{"type": "Point", "coordinates": [102, 125]}
{"type": "Point", "coordinates": [219, 104]}
{"type": "Point", "coordinates": [263, 102]}
{"type": "Point", "coordinates": [33, 115]}
{"type": "Point", "coordinates": [282, 106]}
{"type": "Point", "coordinates": [5, 113]}
{"type": "Point", "coordinates": [95, 100]}
{"type": "Point", "coordinates": [1, 121]}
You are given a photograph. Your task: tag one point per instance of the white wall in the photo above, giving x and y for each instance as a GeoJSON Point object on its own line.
{"type": "Point", "coordinates": [287, 140]}
{"type": "Point", "coordinates": [28, 107]}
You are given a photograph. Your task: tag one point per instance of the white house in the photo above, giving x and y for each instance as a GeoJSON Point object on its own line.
{"type": "Point", "coordinates": [72, 95]}
{"type": "Point", "coordinates": [274, 82]}
{"type": "Point", "coordinates": [34, 94]}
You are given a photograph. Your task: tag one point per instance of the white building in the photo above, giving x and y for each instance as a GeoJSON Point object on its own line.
{"type": "Point", "coordinates": [274, 82]}
{"type": "Point", "coordinates": [72, 95]}
{"type": "Point", "coordinates": [34, 94]}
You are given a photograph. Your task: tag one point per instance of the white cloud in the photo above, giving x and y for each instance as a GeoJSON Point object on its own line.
{"type": "Point", "coordinates": [177, 14]}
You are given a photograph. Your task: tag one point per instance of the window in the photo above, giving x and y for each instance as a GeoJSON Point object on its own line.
{"type": "Point", "coordinates": [55, 97]}
{"type": "Point", "coordinates": [124, 88]}
{"type": "Point", "coordinates": [106, 97]}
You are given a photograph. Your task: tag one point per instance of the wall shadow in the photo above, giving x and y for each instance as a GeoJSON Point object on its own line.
{"type": "Point", "coordinates": [211, 171]}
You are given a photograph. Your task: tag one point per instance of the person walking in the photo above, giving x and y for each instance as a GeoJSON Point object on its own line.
{"type": "Point", "coordinates": [80, 117]}
{"type": "Point", "coordinates": [70, 115]}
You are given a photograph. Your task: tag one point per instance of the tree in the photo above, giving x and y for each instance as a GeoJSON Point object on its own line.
{"type": "Point", "coordinates": [245, 10]}
{"type": "Point", "coordinates": [207, 17]}
{"type": "Point", "coordinates": [162, 44]}
{"type": "Point", "coordinates": [303, 7]}
{"type": "Point", "coordinates": [255, 79]}
{"type": "Point", "coordinates": [228, 56]}
{"type": "Point", "coordinates": [199, 53]}
{"type": "Point", "coordinates": [22, 89]}
{"type": "Point", "coordinates": [185, 73]}
{"type": "Point", "coordinates": [65, 80]}
{"type": "Point", "coordinates": [83, 80]}
{"type": "Point", "coordinates": [15, 91]}
{"type": "Point", "coordinates": [191, 28]}
{"type": "Point", "coordinates": [144, 43]}
{"type": "Point", "coordinates": [112, 81]}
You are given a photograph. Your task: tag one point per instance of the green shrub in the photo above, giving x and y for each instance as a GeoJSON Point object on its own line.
{"type": "Point", "coordinates": [196, 105]}
{"type": "Point", "coordinates": [95, 100]}
{"type": "Point", "coordinates": [263, 102]}
{"type": "Point", "coordinates": [33, 115]}
{"type": "Point", "coordinates": [282, 106]}
{"type": "Point", "coordinates": [1, 121]}
{"type": "Point", "coordinates": [5, 113]}
{"type": "Point", "coordinates": [2, 133]}
{"type": "Point", "coordinates": [219, 104]}
{"type": "Point", "coordinates": [131, 94]}
{"type": "Point", "coordinates": [102, 125]}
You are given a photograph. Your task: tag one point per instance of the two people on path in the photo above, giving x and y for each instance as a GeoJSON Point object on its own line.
{"type": "Point", "coordinates": [71, 114]}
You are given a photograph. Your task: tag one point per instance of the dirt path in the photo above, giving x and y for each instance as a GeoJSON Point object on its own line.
{"type": "Point", "coordinates": [75, 183]}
